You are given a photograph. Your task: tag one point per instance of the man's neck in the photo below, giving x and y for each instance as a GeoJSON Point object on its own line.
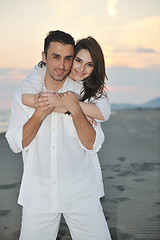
{"type": "Point", "coordinates": [54, 86]}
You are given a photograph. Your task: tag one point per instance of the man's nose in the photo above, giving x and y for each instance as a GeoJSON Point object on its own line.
{"type": "Point", "coordinates": [61, 64]}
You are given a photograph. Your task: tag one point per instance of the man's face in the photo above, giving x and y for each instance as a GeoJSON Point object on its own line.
{"type": "Point", "coordinates": [58, 61]}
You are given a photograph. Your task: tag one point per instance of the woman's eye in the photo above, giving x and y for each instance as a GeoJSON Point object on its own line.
{"type": "Point", "coordinates": [77, 60]}
{"type": "Point", "coordinates": [90, 64]}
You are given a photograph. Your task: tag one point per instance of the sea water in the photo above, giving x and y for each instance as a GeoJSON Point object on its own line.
{"type": "Point", "coordinates": [4, 119]}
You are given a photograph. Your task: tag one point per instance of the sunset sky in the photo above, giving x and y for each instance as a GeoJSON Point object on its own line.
{"type": "Point", "coordinates": [128, 32]}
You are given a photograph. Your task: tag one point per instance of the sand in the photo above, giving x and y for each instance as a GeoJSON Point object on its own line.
{"type": "Point", "coordinates": [130, 160]}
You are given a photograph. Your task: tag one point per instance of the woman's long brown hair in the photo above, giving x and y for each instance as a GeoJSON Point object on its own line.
{"type": "Point", "coordinates": [93, 86]}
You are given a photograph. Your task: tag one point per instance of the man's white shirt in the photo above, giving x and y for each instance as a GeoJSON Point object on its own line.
{"type": "Point", "coordinates": [60, 174]}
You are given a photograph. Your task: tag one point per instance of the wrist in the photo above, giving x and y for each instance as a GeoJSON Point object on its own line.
{"type": "Point", "coordinates": [75, 111]}
{"type": "Point", "coordinates": [39, 115]}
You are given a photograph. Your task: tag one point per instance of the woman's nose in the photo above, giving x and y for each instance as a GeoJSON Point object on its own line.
{"type": "Point", "coordinates": [82, 67]}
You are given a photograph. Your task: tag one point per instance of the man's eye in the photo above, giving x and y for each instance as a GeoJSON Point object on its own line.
{"type": "Point", "coordinates": [68, 59]}
{"type": "Point", "coordinates": [55, 57]}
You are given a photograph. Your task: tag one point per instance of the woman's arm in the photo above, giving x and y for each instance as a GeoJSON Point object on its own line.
{"type": "Point", "coordinates": [45, 99]}
{"type": "Point", "coordinates": [34, 81]}
{"type": "Point", "coordinates": [28, 99]}
{"type": "Point", "coordinates": [91, 110]}
{"type": "Point", "coordinates": [104, 106]}
{"type": "Point", "coordinates": [99, 110]}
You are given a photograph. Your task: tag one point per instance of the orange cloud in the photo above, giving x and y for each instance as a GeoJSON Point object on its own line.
{"type": "Point", "coordinates": [13, 75]}
{"type": "Point", "coordinates": [121, 88]}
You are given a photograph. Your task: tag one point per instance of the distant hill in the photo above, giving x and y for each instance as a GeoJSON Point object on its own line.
{"type": "Point", "coordinates": [155, 103]}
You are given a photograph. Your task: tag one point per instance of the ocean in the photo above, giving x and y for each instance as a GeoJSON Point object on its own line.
{"type": "Point", "coordinates": [4, 119]}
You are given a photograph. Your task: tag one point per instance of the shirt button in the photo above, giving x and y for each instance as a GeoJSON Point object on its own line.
{"type": "Point", "coordinates": [54, 164]}
{"type": "Point", "coordinates": [54, 129]}
{"type": "Point", "coordinates": [54, 182]}
{"type": "Point", "coordinates": [53, 146]}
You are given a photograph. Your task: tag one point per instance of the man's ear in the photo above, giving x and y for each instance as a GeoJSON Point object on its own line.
{"type": "Point", "coordinates": [43, 57]}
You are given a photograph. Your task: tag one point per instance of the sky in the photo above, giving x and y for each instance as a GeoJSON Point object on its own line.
{"type": "Point", "coordinates": [128, 32]}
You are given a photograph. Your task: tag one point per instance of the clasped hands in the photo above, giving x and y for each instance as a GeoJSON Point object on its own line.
{"type": "Point", "coordinates": [58, 102]}
{"type": "Point", "coordinates": [61, 101]}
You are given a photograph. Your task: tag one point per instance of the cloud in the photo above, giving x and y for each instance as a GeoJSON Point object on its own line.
{"type": "Point", "coordinates": [143, 32]}
{"type": "Point", "coordinates": [12, 75]}
{"type": "Point", "coordinates": [145, 50]}
{"type": "Point", "coordinates": [133, 85]}
{"type": "Point", "coordinates": [137, 50]}
{"type": "Point", "coordinates": [10, 78]}
{"type": "Point", "coordinates": [111, 7]}
{"type": "Point", "coordinates": [124, 76]}
{"type": "Point", "coordinates": [124, 89]}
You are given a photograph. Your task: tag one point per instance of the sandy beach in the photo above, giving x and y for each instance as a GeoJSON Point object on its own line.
{"type": "Point", "coordinates": [130, 161]}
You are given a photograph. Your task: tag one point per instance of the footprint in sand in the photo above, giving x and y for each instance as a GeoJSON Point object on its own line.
{"type": "Point", "coordinates": [9, 186]}
{"type": "Point", "coordinates": [121, 199]}
{"type": "Point", "coordinates": [145, 166]}
{"type": "Point", "coordinates": [120, 188]}
{"type": "Point", "coordinates": [122, 159]}
{"type": "Point", "coordinates": [158, 203]}
{"type": "Point", "coordinates": [4, 213]}
{"type": "Point", "coordinates": [109, 177]}
{"type": "Point", "coordinates": [139, 179]}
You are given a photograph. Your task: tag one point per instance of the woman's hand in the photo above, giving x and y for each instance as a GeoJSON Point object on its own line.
{"type": "Point", "coordinates": [67, 101]}
{"type": "Point", "coordinates": [46, 100]}
{"type": "Point", "coordinates": [91, 120]}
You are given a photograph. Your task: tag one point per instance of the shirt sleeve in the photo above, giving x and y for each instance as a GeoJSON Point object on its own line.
{"type": "Point", "coordinates": [98, 140]}
{"type": "Point", "coordinates": [104, 106]}
{"type": "Point", "coordinates": [18, 118]}
{"type": "Point", "coordinates": [34, 81]}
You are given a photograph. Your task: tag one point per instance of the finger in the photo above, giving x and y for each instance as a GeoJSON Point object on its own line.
{"type": "Point", "coordinates": [43, 109]}
{"type": "Point", "coordinates": [40, 104]}
{"type": "Point", "coordinates": [59, 95]}
{"type": "Point", "coordinates": [36, 96]}
{"type": "Point", "coordinates": [46, 94]}
{"type": "Point", "coordinates": [42, 99]}
{"type": "Point", "coordinates": [94, 122]}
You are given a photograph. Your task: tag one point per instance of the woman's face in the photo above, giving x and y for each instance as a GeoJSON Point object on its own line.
{"type": "Point", "coordinates": [82, 66]}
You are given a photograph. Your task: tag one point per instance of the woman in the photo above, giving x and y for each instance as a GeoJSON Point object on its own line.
{"type": "Point", "coordinates": [88, 69]}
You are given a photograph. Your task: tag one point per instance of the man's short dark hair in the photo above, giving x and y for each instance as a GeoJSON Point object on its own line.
{"type": "Point", "coordinates": [57, 36]}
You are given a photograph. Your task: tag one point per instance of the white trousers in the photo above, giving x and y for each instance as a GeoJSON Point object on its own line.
{"type": "Point", "coordinates": [86, 224]}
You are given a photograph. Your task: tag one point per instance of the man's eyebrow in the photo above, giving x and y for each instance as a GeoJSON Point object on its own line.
{"type": "Point", "coordinates": [55, 54]}
{"type": "Point", "coordinates": [58, 55]}
{"type": "Point", "coordinates": [69, 56]}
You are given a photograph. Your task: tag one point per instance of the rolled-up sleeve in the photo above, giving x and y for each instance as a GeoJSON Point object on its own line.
{"type": "Point", "coordinates": [18, 118]}
{"type": "Point", "coordinates": [98, 140]}
{"type": "Point", "coordinates": [104, 106]}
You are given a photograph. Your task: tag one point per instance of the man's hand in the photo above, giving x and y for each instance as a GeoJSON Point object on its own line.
{"type": "Point", "coordinates": [31, 127]}
{"type": "Point", "coordinates": [69, 100]}
{"type": "Point", "coordinates": [42, 113]}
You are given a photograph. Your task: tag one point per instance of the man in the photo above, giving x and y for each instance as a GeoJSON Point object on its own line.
{"type": "Point", "coordinates": [61, 168]}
